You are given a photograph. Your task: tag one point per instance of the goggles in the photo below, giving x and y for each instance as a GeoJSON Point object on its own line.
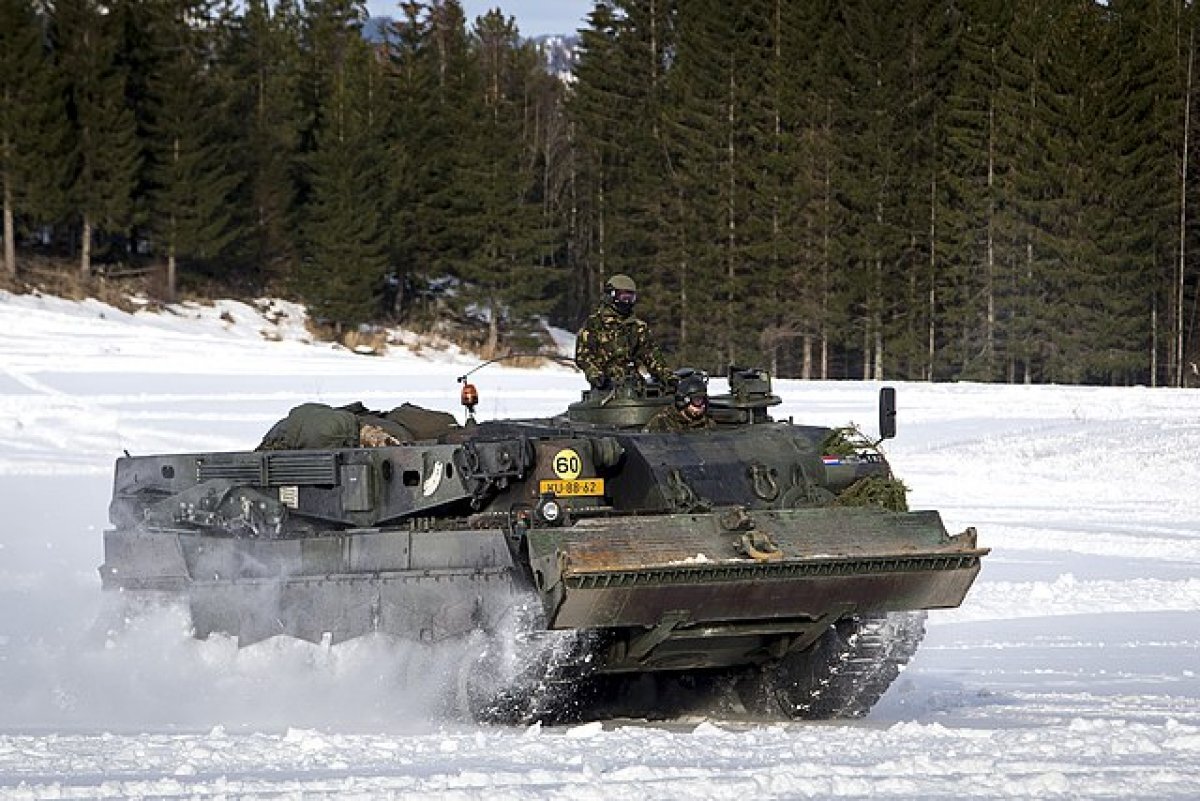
{"type": "Point", "coordinates": [624, 296]}
{"type": "Point", "coordinates": [698, 401]}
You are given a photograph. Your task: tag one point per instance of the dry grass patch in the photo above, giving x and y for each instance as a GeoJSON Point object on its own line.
{"type": "Point", "coordinates": [61, 278]}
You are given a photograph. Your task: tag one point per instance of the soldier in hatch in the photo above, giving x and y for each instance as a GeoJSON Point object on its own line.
{"type": "Point", "coordinates": [614, 345]}
{"type": "Point", "coordinates": [689, 412]}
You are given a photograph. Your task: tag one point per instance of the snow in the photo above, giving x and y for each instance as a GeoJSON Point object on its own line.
{"type": "Point", "coordinates": [1070, 672]}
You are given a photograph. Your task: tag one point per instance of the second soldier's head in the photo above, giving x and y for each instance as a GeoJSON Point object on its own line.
{"type": "Point", "coordinates": [691, 396]}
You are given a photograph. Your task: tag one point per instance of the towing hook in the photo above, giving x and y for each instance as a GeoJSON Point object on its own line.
{"type": "Point", "coordinates": [758, 546]}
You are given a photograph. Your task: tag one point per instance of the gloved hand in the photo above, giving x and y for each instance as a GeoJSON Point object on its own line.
{"type": "Point", "coordinates": [601, 382]}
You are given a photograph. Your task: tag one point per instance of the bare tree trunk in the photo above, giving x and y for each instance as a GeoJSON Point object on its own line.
{"type": "Point", "coordinates": [684, 311]}
{"type": "Point", "coordinates": [171, 273]}
{"type": "Point", "coordinates": [878, 376]}
{"type": "Point", "coordinates": [931, 348]}
{"type": "Point", "coordinates": [1183, 181]}
{"type": "Point", "coordinates": [654, 55]}
{"type": "Point", "coordinates": [173, 245]}
{"type": "Point", "coordinates": [866, 346]}
{"type": "Point", "coordinates": [777, 244]}
{"type": "Point", "coordinates": [601, 211]}
{"type": "Point", "coordinates": [574, 250]}
{"type": "Point", "coordinates": [990, 268]}
{"type": "Point", "coordinates": [731, 298]}
{"type": "Point", "coordinates": [876, 314]}
{"type": "Point", "coordinates": [10, 242]}
{"type": "Point", "coordinates": [826, 244]}
{"type": "Point", "coordinates": [1154, 344]}
{"type": "Point", "coordinates": [493, 341]}
{"type": "Point", "coordinates": [85, 258]}
{"type": "Point", "coordinates": [1028, 366]}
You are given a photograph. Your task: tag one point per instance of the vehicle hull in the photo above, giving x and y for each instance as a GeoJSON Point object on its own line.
{"type": "Point", "coordinates": [685, 591]}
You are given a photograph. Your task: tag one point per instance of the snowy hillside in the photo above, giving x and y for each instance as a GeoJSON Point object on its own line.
{"type": "Point", "coordinates": [1071, 671]}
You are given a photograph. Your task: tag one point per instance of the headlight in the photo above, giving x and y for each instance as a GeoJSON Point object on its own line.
{"type": "Point", "coordinates": [550, 512]}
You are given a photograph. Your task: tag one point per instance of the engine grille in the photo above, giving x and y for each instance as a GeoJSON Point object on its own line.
{"type": "Point", "coordinates": [273, 469]}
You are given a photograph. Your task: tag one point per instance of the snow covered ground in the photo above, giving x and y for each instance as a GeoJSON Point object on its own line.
{"type": "Point", "coordinates": [1071, 671]}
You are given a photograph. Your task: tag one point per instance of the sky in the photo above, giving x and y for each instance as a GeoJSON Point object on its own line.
{"type": "Point", "coordinates": [1072, 670]}
{"type": "Point", "coordinates": [534, 17]}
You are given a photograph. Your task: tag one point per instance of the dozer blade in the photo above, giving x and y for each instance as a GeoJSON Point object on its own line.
{"type": "Point", "coordinates": [734, 565]}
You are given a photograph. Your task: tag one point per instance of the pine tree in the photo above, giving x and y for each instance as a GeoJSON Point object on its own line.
{"type": "Point", "coordinates": [190, 208]}
{"type": "Point", "coordinates": [1071, 256]}
{"type": "Point", "coordinates": [757, 257]}
{"type": "Point", "coordinates": [105, 151]}
{"type": "Point", "coordinates": [262, 62]}
{"type": "Point", "coordinates": [705, 161]}
{"type": "Point", "coordinates": [1185, 278]}
{"type": "Point", "coordinates": [928, 71]}
{"type": "Point", "coordinates": [963, 285]}
{"type": "Point", "coordinates": [502, 269]}
{"type": "Point", "coordinates": [435, 90]}
{"type": "Point", "coordinates": [1134, 146]}
{"type": "Point", "coordinates": [1024, 188]}
{"type": "Point", "coordinates": [428, 90]}
{"type": "Point", "coordinates": [591, 108]}
{"type": "Point", "coordinates": [1146, 117]}
{"type": "Point", "coordinates": [31, 122]}
{"type": "Point", "coordinates": [143, 50]}
{"type": "Point", "coordinates": [628, 213]}
{"type": "Point", "coordinates": [815, 98]}
{"type": "Point", "coordinates": [875, 177]}
{"type": "Point", "coordinates": [346, 247]}
{"type": "Point", "coordinates": [546, 134]}
{"type": "Point", "coordinates": [788, 297]}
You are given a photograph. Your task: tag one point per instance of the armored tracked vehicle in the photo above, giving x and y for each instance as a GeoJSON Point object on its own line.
{"type": "Point", "coordinates": [600, 569]}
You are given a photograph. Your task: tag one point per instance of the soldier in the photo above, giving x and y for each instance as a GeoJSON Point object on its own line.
{"type": "Point", "coordinates": [613, 345]}
{"type": "Point", "coordinates": [690, 411]}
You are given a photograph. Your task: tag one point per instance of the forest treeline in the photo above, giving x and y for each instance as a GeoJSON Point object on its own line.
{"type": "Point", "coordinates": [988, 190]}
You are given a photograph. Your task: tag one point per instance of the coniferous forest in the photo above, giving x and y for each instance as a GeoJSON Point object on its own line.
{"type": "Point", "coordinates": [993, 190]}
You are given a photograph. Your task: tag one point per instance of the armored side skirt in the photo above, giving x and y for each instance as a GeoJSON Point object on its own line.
{"type": "Point", "coordinates": [418, 585]}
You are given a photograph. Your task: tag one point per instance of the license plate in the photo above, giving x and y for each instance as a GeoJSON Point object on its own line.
{"type": "Point", "coordinates": [573, 487]}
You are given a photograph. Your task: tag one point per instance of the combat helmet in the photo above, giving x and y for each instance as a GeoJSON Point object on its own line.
{"type": "Point", "coordinates": [692, 391]}
{"type": "Point", "coordinates": [620, 292]}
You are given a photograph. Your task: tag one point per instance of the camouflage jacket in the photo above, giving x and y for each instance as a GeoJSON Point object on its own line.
{"type": "Point", "coordinates": [609, 344]}
{"type": "Point", "coordinates": [671, 420]}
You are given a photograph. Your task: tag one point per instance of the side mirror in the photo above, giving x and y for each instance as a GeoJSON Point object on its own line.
{"type": "Point", "coordinates": [887, 412]}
